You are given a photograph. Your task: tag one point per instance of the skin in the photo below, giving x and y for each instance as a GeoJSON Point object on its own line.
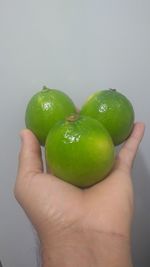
{"type": "Point", "coordinates": [76, 227]}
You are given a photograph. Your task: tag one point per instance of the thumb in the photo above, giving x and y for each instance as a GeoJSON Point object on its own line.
{"type": "Point", "coordinates": [30, 158]}
{"type": "Point", "coordinates": [128, 152]}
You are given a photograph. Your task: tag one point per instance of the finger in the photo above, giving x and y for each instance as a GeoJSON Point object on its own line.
{"type": "Point", "coordinates": [30, 158]}
{"type": "Point", "coordinates": [128, 152]}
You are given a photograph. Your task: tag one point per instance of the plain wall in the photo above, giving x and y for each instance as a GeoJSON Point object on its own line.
{"type": "Point", "coordinates": [78, 47]}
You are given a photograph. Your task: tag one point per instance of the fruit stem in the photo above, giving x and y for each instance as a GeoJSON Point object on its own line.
{"type": "Point", "coordinates": [111, 89]}
{"type": "Point", "coordinates": [73, 117]}
{"type": "Point", "coordinates": [44, 87]}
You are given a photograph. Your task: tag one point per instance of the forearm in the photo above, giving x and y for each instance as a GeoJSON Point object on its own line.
{"type": "Point", "coordinates": [96, 251]}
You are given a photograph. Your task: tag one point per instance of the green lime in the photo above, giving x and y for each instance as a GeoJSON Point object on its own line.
{"type": "Point", "coordinates": [79, 150]}
{"type": "Point", "coordinates": [44, 109]}
{"type": "Point", "coordinates": [113, 110]}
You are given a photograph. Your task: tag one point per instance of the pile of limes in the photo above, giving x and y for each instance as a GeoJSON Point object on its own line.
{"type": "Point", "coordinates": [80, 145]}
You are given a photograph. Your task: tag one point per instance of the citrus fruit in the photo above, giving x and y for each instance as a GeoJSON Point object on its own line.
{"type": "Point", "coordinates": [79, 150]}
{"type": "Point", "coordinates": [44, 109]}
{"type": "Point", "coordinates": [113, 110]}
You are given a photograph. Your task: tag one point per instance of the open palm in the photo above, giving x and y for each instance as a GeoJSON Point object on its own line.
{"type": "Point", "coordinates": [55, 206]}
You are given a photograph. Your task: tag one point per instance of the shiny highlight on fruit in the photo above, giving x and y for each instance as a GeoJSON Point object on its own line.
{"type": "Point", "coordinates": [79, 150]}
{"type": "Point", "coordinates": [44, 109]}
{"type": "Point", "coordinates": [113, 110]}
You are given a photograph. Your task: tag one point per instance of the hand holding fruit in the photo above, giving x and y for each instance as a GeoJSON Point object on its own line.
{"type": "Point", "coordinates": [79, 148]}
{"type": "Point", "coordinates": [79, 227]}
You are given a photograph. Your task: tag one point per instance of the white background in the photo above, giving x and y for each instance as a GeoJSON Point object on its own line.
{"type": "Point", "coordinates": [77, 46]}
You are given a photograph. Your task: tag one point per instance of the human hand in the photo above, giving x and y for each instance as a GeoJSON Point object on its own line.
{"type": "Point", "coordinates": [79, 227]}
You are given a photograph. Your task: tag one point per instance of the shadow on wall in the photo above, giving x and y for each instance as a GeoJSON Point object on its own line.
{"type": "Point", "coordinates": [141, 223]}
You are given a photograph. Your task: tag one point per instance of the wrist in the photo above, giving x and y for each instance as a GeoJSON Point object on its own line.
{"type": "Point", "coordinates": [86, 250]}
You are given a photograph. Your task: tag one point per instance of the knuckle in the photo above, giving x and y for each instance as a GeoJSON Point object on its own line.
{"type": "Point", "coordinates": [19, 190]}
{"type": "Point", "coordinates": [16, 191]}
